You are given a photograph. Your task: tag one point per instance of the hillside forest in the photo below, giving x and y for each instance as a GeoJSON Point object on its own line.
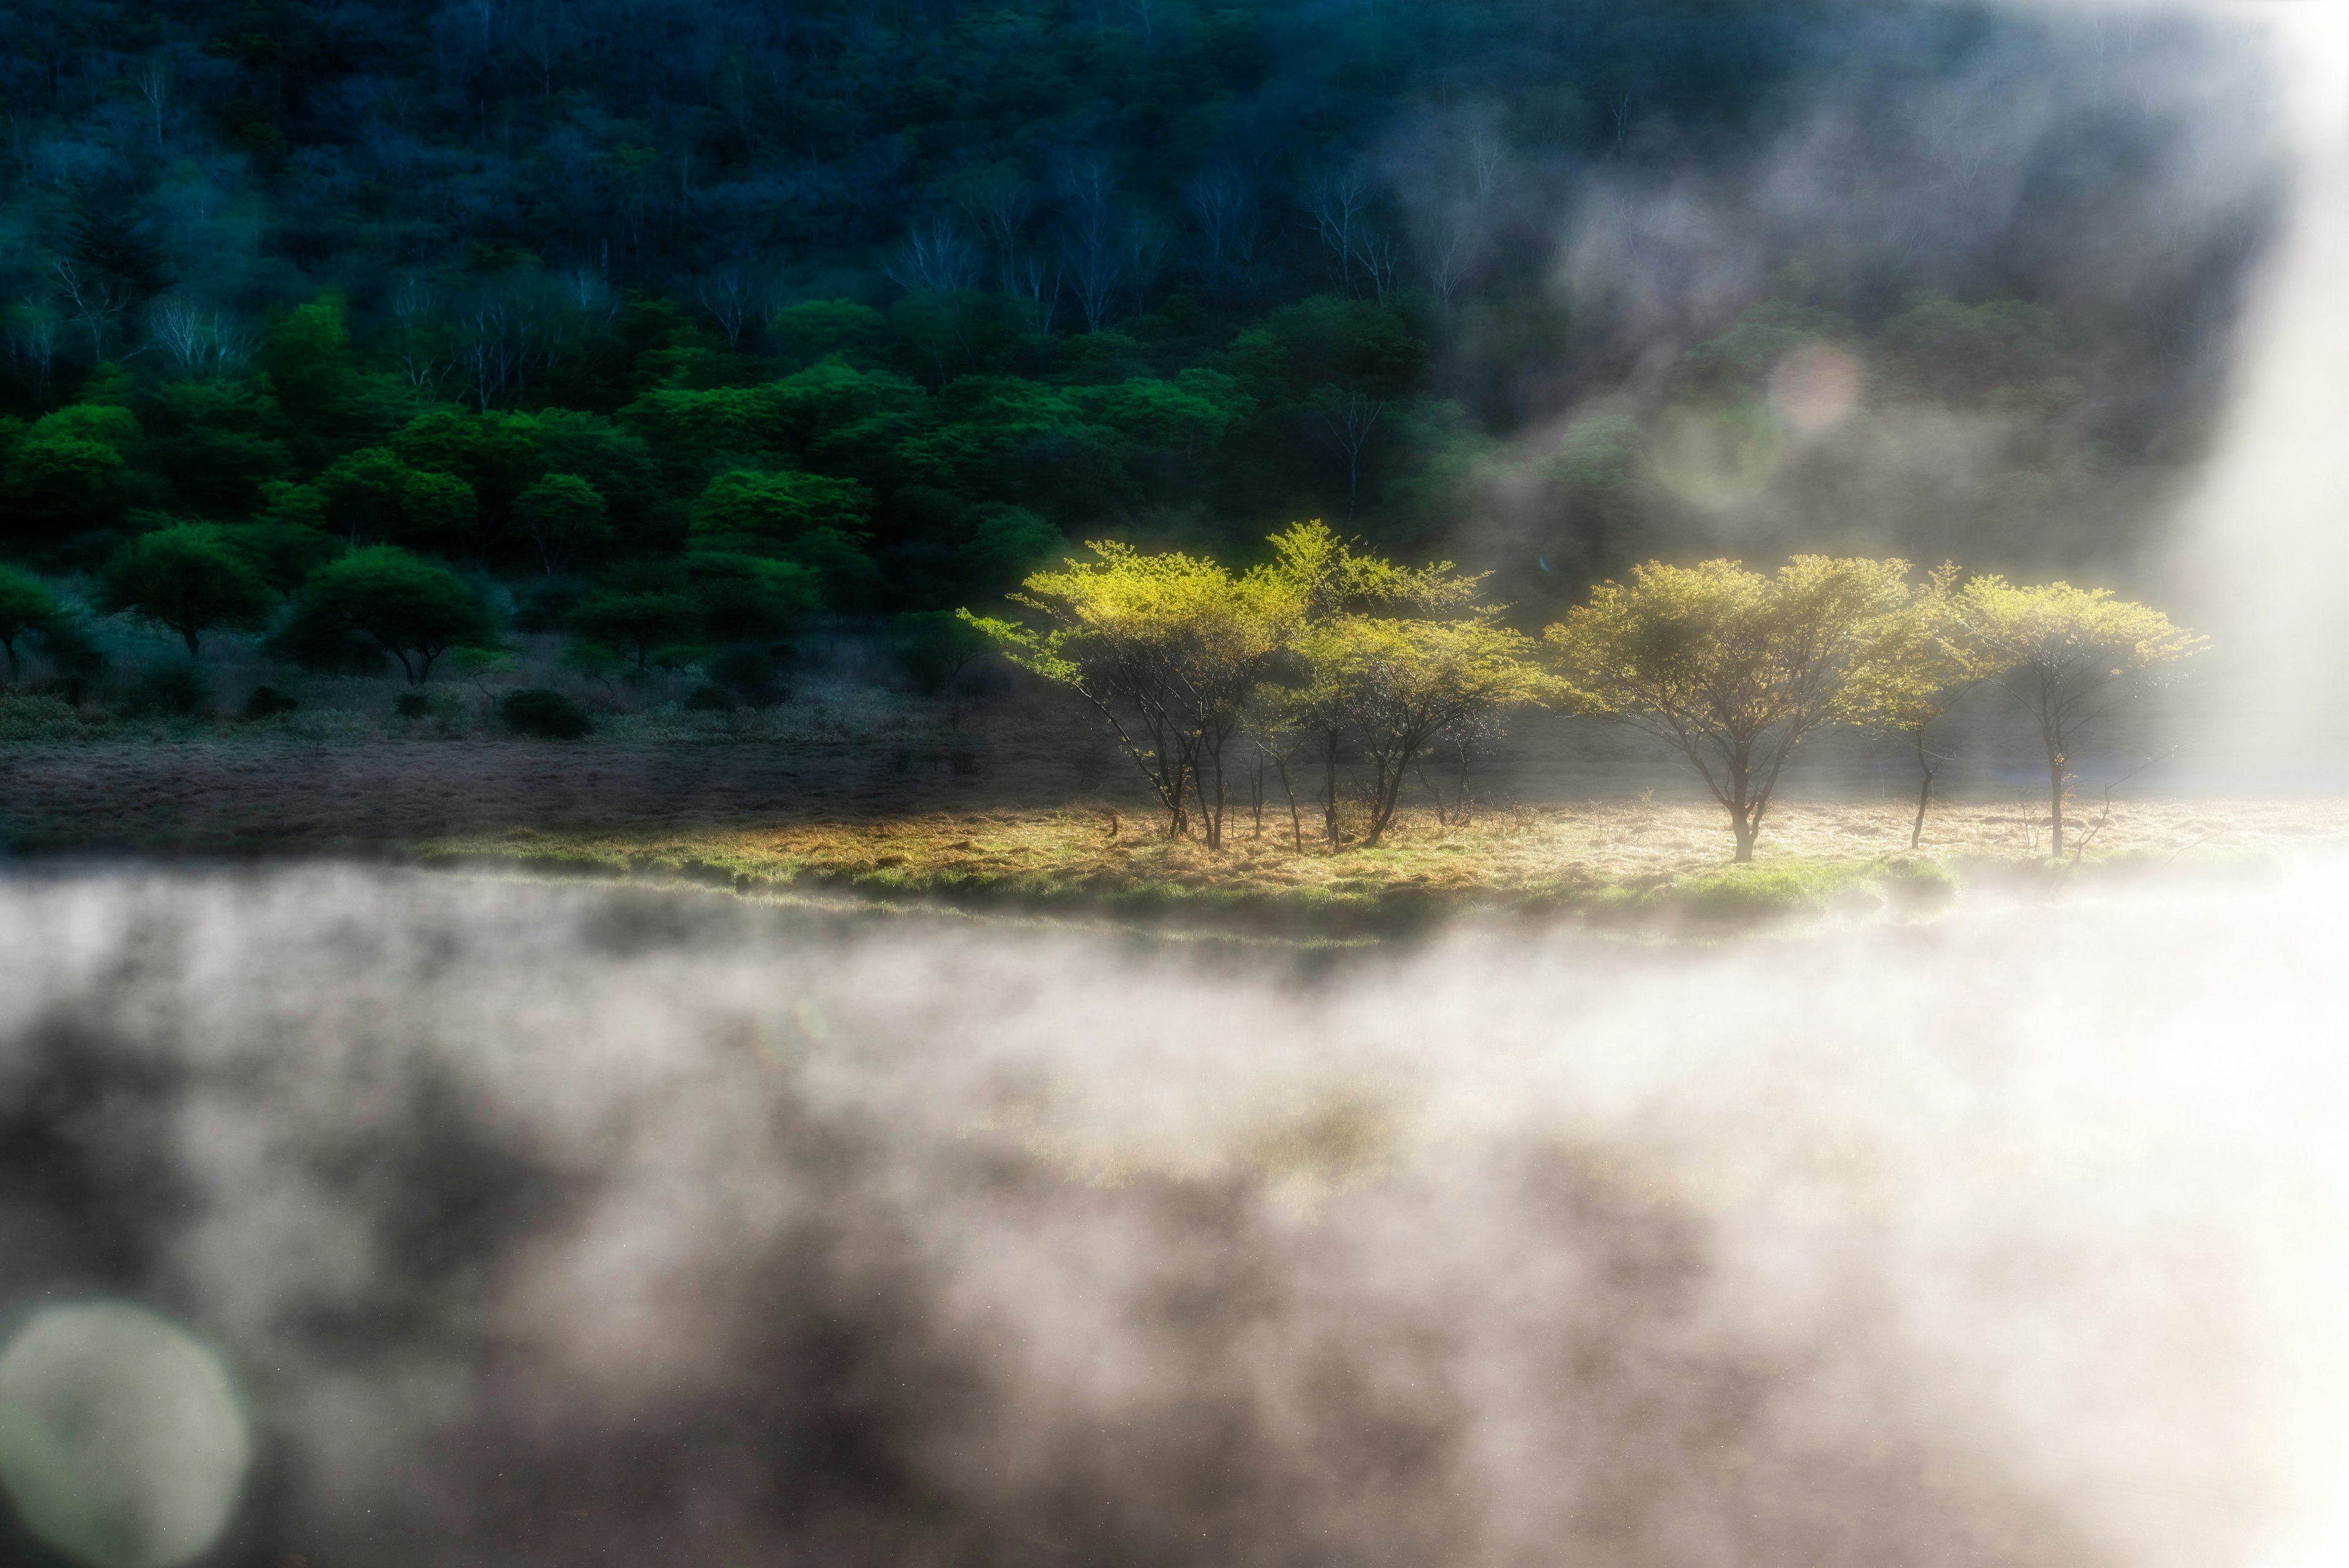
{"type": "Point", "coordinates": [669, 325]}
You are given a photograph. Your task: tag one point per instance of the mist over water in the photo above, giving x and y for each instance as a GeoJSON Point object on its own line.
{"type": "Point", "coordinates": [552, 1224]}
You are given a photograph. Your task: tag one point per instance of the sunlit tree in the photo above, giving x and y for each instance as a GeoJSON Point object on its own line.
{"type": "Point", "coordinates": [1167, 648]}
{"type": "Point", "coordinates": [1729, 668]}
{"type": "Point", "coordinates": [2067, 655]}
{"type": "Point", "coordinates": [1919, 667]}
{"type": "Point", "coordinates": [1396, 683]}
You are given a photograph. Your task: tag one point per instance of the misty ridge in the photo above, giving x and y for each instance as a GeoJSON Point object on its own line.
{"type": "Point", "coordinates": [545, 1223]}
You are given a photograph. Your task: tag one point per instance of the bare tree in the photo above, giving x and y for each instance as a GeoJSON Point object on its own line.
{"type": "Point", "coordinates": [488, 350]}
{"type": "Point", "coordinates": [1037, 282]}
{"type": "Point", "coordinates": [199, 342]}
{"type": "Point", "coordinates": [732, 300]}
{"type": "Point", "coordinates": [1001, 204]}
{"type": "Point", "coordinates": [934, 256]}
{"type": "Point", "coordinates": [97, 300]}
{"type": "Point", "coordinates": [1338, 205]}
{"type": "Point", "coordinates": [152, 77]}
{"type": "Point", "coordinates": [1349, 418]}
{"type": "Point", "coordinates": [33, 344]}
{"type": "Point", "coordinates": [1147, 247]}
{"type": "Point", "coordinates": [1224, 207]}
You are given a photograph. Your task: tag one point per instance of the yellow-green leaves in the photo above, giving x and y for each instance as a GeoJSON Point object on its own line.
{"type": "Point", "coordinates": [2056, 648]}
{"type": "Point", "coordinates": [1730, 668]}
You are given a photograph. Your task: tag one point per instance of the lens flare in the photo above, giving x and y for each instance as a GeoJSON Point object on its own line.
{"type": "Point", "coordinates": [1814, 387]}
{"type": "Point", "coordinates": [122, 1444]}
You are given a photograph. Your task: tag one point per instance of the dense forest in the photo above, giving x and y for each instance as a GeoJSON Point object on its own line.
{"type": "Point", "coordinates": [674, 320]}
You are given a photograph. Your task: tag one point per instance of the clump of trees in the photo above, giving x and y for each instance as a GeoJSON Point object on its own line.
{"type": "Point", "coordinates": [1180, 655]}
{"type": "Point", "coordinates": [1734, 668]}
{"type": "Point", "coordinates": [1326, 650]}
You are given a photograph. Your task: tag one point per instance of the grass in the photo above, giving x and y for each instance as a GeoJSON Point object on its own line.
{"type": "Point", "coordinates": [1516, 862]}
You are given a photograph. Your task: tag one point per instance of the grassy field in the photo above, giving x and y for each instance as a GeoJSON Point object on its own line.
{"type": "Point", "coordinates": [1633, 861]}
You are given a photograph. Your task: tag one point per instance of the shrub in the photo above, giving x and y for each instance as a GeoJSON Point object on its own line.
{"type": "Point", "coordinates": [711, 699]}
{"type": "Point", "coordinates": [755, 675]}
{"type": "Point", "coordinates": [267, 702]}
{"type": "Point", "coordinates": [412, 705]}
{"type": "Point", "coordinates": [169, 690]}
{"type": "Point", "coordinates": [548, 715]}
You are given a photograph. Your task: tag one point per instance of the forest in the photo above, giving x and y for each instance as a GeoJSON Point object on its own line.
{"type": "Point", "coordinates": [733, 314]}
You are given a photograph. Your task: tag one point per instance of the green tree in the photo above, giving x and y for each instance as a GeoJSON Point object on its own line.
{"type": "Point", "coordinates": [188, 579]}
{"type": "Point", "coordinates": [764, 512]}
{"type": "Point", "coordinates": [1917, 671]}
{"type": "Point", "coordinates": [58, 484]}
{"type": "Point", "coordinates": [1398, 682]}
{"type": "Point", "coordinates": [2066, 654]}
{"type": "Point", "coordinates": [747, 598]}
{"type": "Point", "coordinates": [1167, 648]}
{"type": "Point", "coordinates": [411, 608]}
{"type": "Point", "coordinates": [561, 514]}
{"type": "Point", "coordinates": [372, 496]}
{"type": "Point", "coordinates": [1729, 668]}
{"type": "Point", "coordinates": [26, 604]}
{"type": "Point", "coordinates": [640, 611]}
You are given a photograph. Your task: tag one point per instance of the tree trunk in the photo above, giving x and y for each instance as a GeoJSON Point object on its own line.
{"type": "Point", "coordinates": [2056, 803]}
{"type": "Point", "coordinates": [1746, 831]}
{"type": "Point", "coordinates": [1924, 792]}
{"type": "Point", "coordinates": [190, 639]}
{"type": "Point", "coordinates": [1330, 791]}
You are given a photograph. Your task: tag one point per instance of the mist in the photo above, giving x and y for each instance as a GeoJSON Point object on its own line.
{"type": "Point", "coordinates": [549, 1223]}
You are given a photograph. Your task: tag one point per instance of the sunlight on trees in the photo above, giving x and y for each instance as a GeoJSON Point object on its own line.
{"type": "Point", "coordinates": [2064, 654]}
{"type": "Point", "coordinates": [1729, 668]}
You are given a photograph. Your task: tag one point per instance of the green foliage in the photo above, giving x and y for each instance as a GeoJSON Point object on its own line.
{"type": "Point", "coordinates": [1729, 668]}
{"type": "Point", "coordinates": [372, 497]}
{"type": "Point", "coordinates": [766, 511]}
{"type": "Point", "coordinates": [190, 579]}
{"type": "Point", "coordinates": [2059, 650]}
{"type": "Point", "coordinates": [816, 328]}
{"type": "Point", "coordinates": [54, 484]}
{"type": "Point", "coordinates": [2007, 354]}
{"type": "Point", "coordinates": [639, 612]}
{"type": "Point", "coordinates": [411, 608]}
{"type": "Point", "coordinates": [563, 514]}
{"type": "Point", "coordinates": [27, 605]}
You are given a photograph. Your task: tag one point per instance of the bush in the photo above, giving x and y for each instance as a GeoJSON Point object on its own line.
{"type": "Point", "coordinates": [711, 699]}
{"type": "Point", "coordinates": [755, 675]}
{"type": "Point", "coordinates": [549, 715]}
{"type": "Point", "coordinates": [267, 702]}
{"type": "Point", "coordinates": [170, 691]}
{"type": "Point", "coordinates": [412, 705]}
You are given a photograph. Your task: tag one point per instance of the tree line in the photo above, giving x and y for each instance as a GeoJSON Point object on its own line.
{"type": "Point", "coordinates": [1330, 650]}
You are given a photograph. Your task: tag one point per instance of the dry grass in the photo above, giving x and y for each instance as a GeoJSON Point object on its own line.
{"type": "Point", "coordinates": [1615, 855]}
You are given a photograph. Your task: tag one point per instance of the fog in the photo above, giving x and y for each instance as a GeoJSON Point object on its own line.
{"type": "Point", "coordinates": [560, 1223]}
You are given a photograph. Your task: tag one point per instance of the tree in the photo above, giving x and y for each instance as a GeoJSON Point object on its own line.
{"type": "Point", "coordinates": [639, 613]}
{"type": "Point", "coordinates": [372, 496]}
{"type": "Point", "coordinates": [761, 513]}
{"type": "Point", "coordinates": [747, 598]}
{"type": "Point", "coordinates": [2065, 654]}
{"type": "Point", "coordinates": [1728, 667]}
{"type": "Point", "coordinates": [26, 604]}
{"type": "Point", "coordinates": [1917, 672]}
{"type": "Point", "coordinates": [1397, 682]}
{"type": "Point", "coordinates": [1167, 648]}
{"type": "Point", "coordinates": [561, 514]}
{"type": "Point", "coordinates": [411, 608]}
{"type": "Point", "coordinates": [189, 578]}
